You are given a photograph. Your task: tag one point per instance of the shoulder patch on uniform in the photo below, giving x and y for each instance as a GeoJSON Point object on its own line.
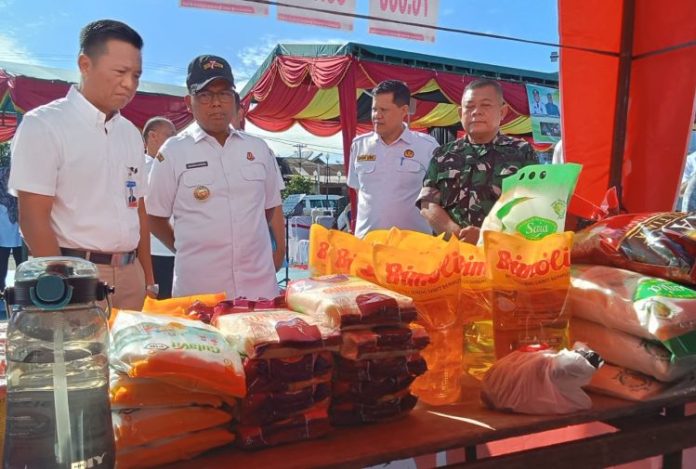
{"type": "Point", "coordinates": [160, 157]}
{"type": "Point", "coordinates": [367, 157]}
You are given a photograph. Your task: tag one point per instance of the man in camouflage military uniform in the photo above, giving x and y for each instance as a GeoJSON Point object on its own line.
{"type": "Point", "coordinates": [464, 178]}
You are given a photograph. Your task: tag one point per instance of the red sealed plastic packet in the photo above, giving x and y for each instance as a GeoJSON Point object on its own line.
{"type": "Point", "coordinates": [372, 391]}
{"type": "Point", "coordinates": [282, 374]}
{"type": "Point", "coordinates": [266, 407]}
{"type": "Point", "coordinates": [350, 413]}
{"type": "Point", "coordinates": [381, 342]}
{"type": "Point", "coordinates": [380, 368]}
{"type": "Point", "coordinates": [349, 302]}
{"type": "Point", "coordinates": [276, 333]}
{"type": "Point", "coordinates": [658, 244]}
{"type": "Point", "coordinates": [312, 424]}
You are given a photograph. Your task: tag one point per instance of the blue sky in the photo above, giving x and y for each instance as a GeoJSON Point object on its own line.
{"type": "Point", "coordinates": [45, 32]}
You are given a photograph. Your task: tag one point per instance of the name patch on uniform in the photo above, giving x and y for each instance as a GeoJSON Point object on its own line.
{"type": "Point", "coordinates": [409, 153]}
{"type": "Point", "coordinates": [367, 157]}
{"type": "Point", "coordinates": [197, 164]}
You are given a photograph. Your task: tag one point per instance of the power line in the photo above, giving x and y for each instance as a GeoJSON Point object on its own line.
{"type": "Point", "coordinates": [438, 28]}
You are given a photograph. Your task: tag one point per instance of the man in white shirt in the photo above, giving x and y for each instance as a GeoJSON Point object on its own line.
{"type": "Point", "coordinates": [387, 165]}
{"type": "Point", "coordinates": [222, 188]}
{"type": "Point", "coordinates": [538, 108]}
{"type": "Point", "coordinates": [155, 132]}
{"type": "Point", "coordinates": [77, 167]}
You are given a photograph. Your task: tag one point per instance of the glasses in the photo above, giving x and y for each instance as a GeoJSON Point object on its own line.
{"type": "Point", "coordinates": [206, 97]}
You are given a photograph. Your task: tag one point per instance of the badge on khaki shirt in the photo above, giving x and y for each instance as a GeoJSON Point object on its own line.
{"type": "Point", "coordinates": [367, 157]}
{"type": "Point", "coordinates": [409, 153]}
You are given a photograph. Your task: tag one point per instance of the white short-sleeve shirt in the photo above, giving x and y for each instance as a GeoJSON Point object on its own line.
{"type": "Point", "coordinates": [92, 168]}
{"type": "Point", "coordinates": [217, 197]}
{"type": "Point", "coordinates": [157, 247]}
{"type": "Point", "coordinates": [389, 179]}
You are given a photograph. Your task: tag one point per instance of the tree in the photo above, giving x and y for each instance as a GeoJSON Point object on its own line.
{"type": "Point", "coordinates": [297, 184]}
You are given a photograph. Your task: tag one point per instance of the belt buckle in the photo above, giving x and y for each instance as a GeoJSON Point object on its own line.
{"type": "Point", "coordinates": [121, 259]}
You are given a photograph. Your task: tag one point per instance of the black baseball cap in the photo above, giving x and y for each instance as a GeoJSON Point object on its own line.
{"type": "Point", "coordinates": [204, 69]}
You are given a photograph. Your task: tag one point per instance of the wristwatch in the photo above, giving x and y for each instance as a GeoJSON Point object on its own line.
{"type": "Point", "coordinates": [154, 289]}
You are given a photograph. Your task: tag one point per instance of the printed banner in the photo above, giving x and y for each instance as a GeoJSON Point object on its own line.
{"type": "Point", "coordinates": [315, 18]}
{"type": "Point", "coordinates": [545, 113]}
{"type": "Point", "coordinates": [412, 11]}
{"type": "Point", "coordinates": [232, 6]}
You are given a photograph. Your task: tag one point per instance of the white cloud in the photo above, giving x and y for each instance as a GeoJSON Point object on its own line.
{"type": "Point", "coordinates": [11, 50]}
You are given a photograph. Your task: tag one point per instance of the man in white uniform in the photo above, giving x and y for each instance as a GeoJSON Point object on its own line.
{"type": "Point", "coordinates": [155, 132]}
{"type": "Point", "coordinates": [387, 166]}
{"type": "Point", "coordinates": [222, 188]}
{"type": "Point", "coordinates": [77, 168]}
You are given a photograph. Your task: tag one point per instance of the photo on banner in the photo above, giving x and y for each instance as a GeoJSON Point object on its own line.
{"type": "Point", "coordinates": [231, 6]}
{"type": "Point", "coordinates": [317, 18]}
{"type": "Point", "coordinates": [545, 113]}
{"type": "Point", "coordinates": [423, 12]}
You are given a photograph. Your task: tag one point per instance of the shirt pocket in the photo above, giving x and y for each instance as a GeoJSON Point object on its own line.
{"type": "Point", "coordinates": [365, 167]}
{"type": "Point", "coordinates": [410, 166]}
{"type": "Point", "coordinates": [255, 172]}
{"type": "Point", "coordinates": [451, 185]}
{"type": "Point", "coordinates": [198, 177]}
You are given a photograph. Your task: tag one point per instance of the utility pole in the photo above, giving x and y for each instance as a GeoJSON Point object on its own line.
{"type": "Point", "coordinates": [300, 146]}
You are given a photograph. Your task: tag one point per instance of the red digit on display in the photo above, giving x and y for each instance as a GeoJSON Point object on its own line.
{"type": "Point", "coordinates": [416, 5]}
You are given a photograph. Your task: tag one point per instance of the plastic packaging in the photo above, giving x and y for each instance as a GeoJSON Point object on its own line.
{"type": "Point", "coordinates": [643, 306]}
{"type": "Point", "coordinates": [353, 413]}
{"type": "Point", "coordinates": [277, 333]}
{"type": "Point", "coordinates": [433, 281]}
{"type": "Point", "coordinates": [534, 201]}
{"type": "Point", "coordinates": [635, 353]}
{"type": "Point", "coordinates": [530, 281]}
{"type": "Point", "coordinates": [617, 381]}
{"type": "Point", "coordinates": [344, 302]}
{"type": "Point", "coordinates": [287, 373]}
{"type": "Point", "coordinates": [173, 449]}
{"type": "Point", "coordinates": [539, 382]}
{"type": "Point", "coordinates": [129, 393]}
{"type": "Point", "coordinates": [381, 342]}
{"type": "Point", "coordinates": [136, 427]}
{"type": "Point", "coordinates": [182, 352]}
{"type": "Point", "coordinates": [661, 244]}
{"type": "Point", "coordinates": [380, 368]}
{"type": "Point", "coordinates": [266, 408]}
{"type": "Point", "coordinates": [309, 425]}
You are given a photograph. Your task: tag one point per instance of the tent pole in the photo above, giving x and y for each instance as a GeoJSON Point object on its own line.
{"type": "Point", "coordinates": [348, 109]}
{"type": "Point", "coordinates": [622, 95]}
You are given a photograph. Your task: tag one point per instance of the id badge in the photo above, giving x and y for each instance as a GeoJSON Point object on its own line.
{"type": "Point", "coordinates": [131, 199]}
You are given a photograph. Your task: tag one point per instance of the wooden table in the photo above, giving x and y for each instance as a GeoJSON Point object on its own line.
{"type": "Point", "coordinates": [645, 429]}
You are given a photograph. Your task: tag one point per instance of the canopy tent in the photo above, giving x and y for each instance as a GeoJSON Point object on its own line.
{"type": "Point", "coordinates": [630, 123]}
{"type": "Point", "coordinates": [24, 87]}
{"type": "Point", "coordinates": [324, 88]}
